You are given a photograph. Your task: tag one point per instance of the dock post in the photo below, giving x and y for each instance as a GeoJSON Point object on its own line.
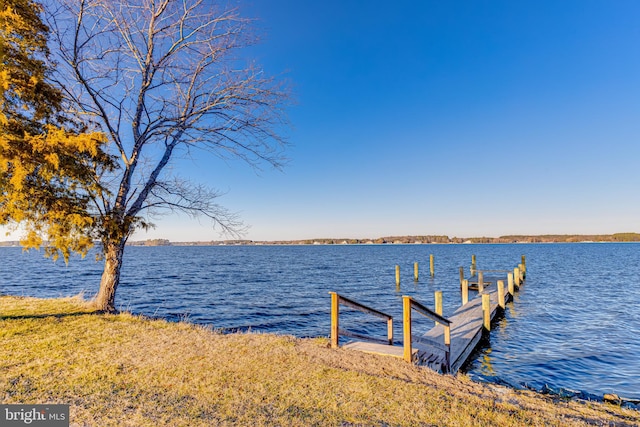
{"type": "Point", "coordinates": [465, 291]}
{"type": "Point", "coordinates": [406, 327]}
{"type": "Point", "coordinates": [501, 298]}
{"type": "Point", "coordinates": [461, 275]}
{"type": "Point", "coordinates": [415, 271]}
{"type": "Point", "coordinates": [447, 343]}
{"type": "Point", "coordinates": [511, 286]}
{"type": "Point", "coordinates": [524, 265]}
{"type": "Point", "coordinates": [480, 282]}
{"type": "Point", "coordinates": [516, 276]}
{"type": "Point", "coordinates": [431, 264]}
{"type": "Point", "coordinates": [486, 312]}
{"type": "Point", "coordinates": [397, 275]}
{"type": "Point", "coordinates": [390, 330]}
{"type": "Point", "coordinates": [473, 265]}
{"type": "Point", "coordinates": [335, 314]}
{"type": "Point", "coordinates": [521, 267]}
{"type": "Point", "coordinates": [438, 303]}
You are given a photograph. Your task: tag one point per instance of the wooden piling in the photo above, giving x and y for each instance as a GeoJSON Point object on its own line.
{"type": "Point", "coordinates": [461, 275]}
{"type": "Point", "coordinates": [397, 275]}
{"type": "Point", "coordinates": [415, 271]}
{"type": "Point", "coordinates": [486, 312]}
{"type": "Point", "coordinates": [473, 265]}
{"type": "Point", "coordinates": [438, 303]}
{"type": "Point", "coordinates": [431, 265]}
{"type": "Point", "coordinates": [524, 264]}
{"type": "Point", "coordinates": [406, 327]}
{"type": "Point", "coordinates": [465, 291]}
{"type": "Point", "coordinates": [510, 284]}
{"type": "Point", "coordinates": [501, 297]}
{"type": "Point", "coordinates": [480, 281]}
{"type": "Point", "coordinates": [516, 276]}
{"type": "Point", "coordinates": [335, 315]}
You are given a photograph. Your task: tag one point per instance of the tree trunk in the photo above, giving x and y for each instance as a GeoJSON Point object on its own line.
{"type": "Point", "coordinates": [105, 299]}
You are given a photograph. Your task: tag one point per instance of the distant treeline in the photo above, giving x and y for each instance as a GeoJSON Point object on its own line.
{"type": "Point", "coordinates": [571, 238]}
{"type": "Point", "coordinates": [546, 238]}
{"type": "Point", "coordinates": [151, 242]}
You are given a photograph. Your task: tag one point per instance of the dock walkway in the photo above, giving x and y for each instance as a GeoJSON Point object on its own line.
{"type": "Point", "coordinates": [448, 345]}
{"type": "Point", "coordinates": [466, 330]}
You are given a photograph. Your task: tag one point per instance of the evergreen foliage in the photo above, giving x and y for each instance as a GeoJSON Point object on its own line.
{"type": "Point", "coordinates": [49, 163]}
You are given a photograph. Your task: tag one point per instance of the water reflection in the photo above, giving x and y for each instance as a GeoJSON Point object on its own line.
{"type": "Point", "coordinates": [486, 368]}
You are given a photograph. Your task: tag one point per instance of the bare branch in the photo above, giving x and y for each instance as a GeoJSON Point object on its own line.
{"type": "Point", "coordinates": [162, 75]}
{"type": "Point", "coordinates": [195, 200]}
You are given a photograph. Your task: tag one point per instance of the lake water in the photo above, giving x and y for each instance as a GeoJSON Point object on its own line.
{"type": "Point", "coordinates": [573, 328]}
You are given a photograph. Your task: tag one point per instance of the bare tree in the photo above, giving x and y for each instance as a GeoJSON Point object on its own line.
{"type": "Point", "coordinates": [162, 78]}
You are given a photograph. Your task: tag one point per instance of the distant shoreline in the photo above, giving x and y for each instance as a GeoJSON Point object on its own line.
{"type": "Point", "coordinates": [550, 238]}
{"type": "Point", "coordinates": [422, 239]}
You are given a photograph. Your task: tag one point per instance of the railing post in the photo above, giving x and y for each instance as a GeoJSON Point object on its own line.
{"type": "Point", "coordinates": [335, 314]}
{"type": "Point", "coordinates": [447, 343]}
{"type": "Point", "coordinates": [397, 275]}
{"type": "Point", "coordinates": [406, 327]}
{"type": "Point", "coordinates": [501, 298]}
{"type": "Point", "coordinates": [438, 303]}
{"type": "Point", "coordinates": [465, 291]}
{"type": "Point", "coordinates": [511, 286]}
{"type": "Point", "coordinates": [415, 271]}
{"type": "Point", "coordinates": [390, 331]}
{"type": "Point", "coordinates": [431, 268]}
{"type": "Point", "coordinates": [486, 312]}
{"type": "Point", "coordinates": [480, 282]}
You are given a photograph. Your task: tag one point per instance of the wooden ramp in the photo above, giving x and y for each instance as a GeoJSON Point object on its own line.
{"type": "Point", "coordinates": [381, 349]}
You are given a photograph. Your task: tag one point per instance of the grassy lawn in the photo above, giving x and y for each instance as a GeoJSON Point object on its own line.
{"type": "Point", "coordinates": [125, 370]}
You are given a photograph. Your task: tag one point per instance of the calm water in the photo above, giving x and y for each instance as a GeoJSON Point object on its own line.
{"type": "Point", "coordinates": [573, 328]}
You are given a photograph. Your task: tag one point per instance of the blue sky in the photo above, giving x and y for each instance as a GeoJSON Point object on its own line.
{"type": "Point", "coordinates": [464, 118]}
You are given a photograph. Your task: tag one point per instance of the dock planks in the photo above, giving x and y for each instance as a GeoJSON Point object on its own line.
{"type": "Point", "coordinates": [467, 324]}
{"type": "Point", "coordinates": [466, 330]}
{"type": "Point", "coordinates": [375, 348]}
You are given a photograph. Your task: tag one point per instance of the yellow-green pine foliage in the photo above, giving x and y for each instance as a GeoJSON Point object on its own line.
{"type": "Point", "coordinates": [49, 163]}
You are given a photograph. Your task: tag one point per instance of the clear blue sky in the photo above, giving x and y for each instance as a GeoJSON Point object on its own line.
{"type": "Point", "coordinates": [462, 118]}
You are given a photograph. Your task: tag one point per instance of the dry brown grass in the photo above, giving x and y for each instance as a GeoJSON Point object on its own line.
{"type": "Point", "coordinates": [124, 370]}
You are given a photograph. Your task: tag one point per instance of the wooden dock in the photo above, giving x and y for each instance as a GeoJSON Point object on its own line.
{"type": "Point", "coordinates": [467, 327]}
{"type": "Point", "coordinates": [448, 345]}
